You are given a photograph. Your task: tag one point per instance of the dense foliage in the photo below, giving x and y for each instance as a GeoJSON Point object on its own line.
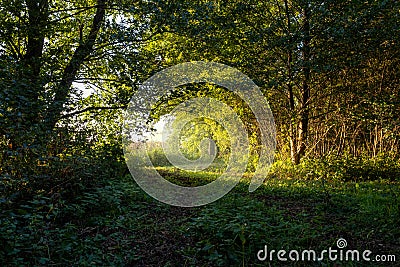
{"type": "Point", "coordinates": [330, 71]}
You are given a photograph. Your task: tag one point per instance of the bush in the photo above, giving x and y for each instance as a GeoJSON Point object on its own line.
{"type": "Point", "coordinates": [157, 156]}
{"type": "Point", "coordinates": [340, 168]}
{"type": "Point", "coordinates": [41, 187]}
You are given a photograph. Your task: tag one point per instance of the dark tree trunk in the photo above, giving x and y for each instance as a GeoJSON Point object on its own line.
{"type": "Point", "coordinates": [304, 112]}
{"type": "Point", "coordinates": [30, 84]}
{"type": "Point", "coordinates": [298, 114]}
{"type": "Point", "coordinates": [84, 50]}
{"type": "Point", "coordinates": [292, 112]}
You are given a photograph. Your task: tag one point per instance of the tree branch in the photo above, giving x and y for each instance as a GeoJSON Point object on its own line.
{"type": "Point", "coordinates": [90, 109]}
{"type": "Point", "coordinates": [81, 53]}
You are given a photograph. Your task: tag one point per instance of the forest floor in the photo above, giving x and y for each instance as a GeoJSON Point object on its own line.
{"type": "Point", "coordinates": [118, 224]}
{"type": "Point", "coordinates": [129, 227]}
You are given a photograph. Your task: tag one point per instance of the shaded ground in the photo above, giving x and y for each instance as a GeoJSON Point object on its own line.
{"type": "Point", "coordinates": [120, 225]}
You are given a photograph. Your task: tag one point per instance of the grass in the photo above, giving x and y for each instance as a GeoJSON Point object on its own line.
{"type": "Point", "coordinates": [120, 225]}
{"type": "Point", "coordinates": [296, 214]}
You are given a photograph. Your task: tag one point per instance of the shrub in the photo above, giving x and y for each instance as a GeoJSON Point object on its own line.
{"type": "Point", "coordinates": [340, 168]}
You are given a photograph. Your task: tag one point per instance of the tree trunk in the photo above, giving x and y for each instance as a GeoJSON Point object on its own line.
{"type": "Point", "coordinates": [304, 112]}
{"type": "Point", "coordinates": [30, 84]}
{"type": "Point", "coordinates": [84, 49]}
{"type": "Point", "coordinates": [299, 116]}
{"type": "Point", "coordinates": [35, 118]}
{"type": "Point", "coordinates": [289, 63]}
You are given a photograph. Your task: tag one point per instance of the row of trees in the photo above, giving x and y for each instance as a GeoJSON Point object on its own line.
{"type": "Point", "coordinates": [329, 69]}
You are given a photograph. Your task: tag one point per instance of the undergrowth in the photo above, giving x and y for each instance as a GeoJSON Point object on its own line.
{"type": "Point", "coordinates": [112, 222]}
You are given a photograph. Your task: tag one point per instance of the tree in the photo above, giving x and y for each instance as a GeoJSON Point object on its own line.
{"type": "Point", "coordinates": [213, 127]}
{"type": "Point", "coordinates": [49, 51]}
{"type": "Point", "coordinates": [49, 47]}
{"type": "Point", "coordinates": [310, 58]}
